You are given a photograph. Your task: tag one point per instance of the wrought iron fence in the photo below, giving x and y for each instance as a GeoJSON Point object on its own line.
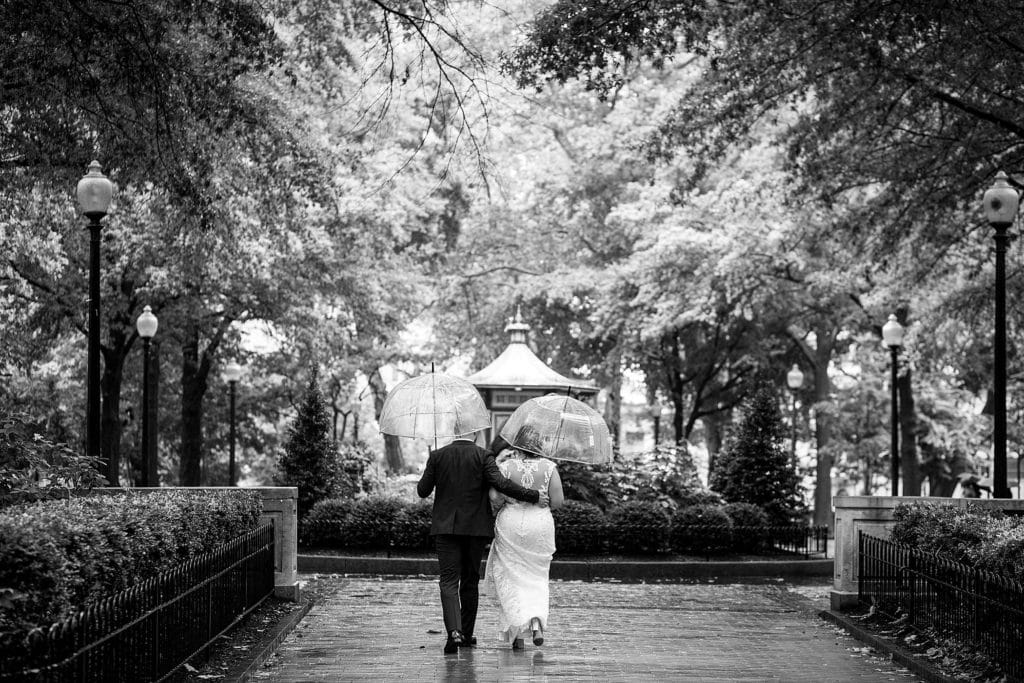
{"type": "Point", "coordinates": [975, 608]}
{"type": "Point", "coordinates": [149, 631]}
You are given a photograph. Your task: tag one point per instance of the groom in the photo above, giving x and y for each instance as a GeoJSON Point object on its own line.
{"type": "Point", "coordinates": [462, 523]}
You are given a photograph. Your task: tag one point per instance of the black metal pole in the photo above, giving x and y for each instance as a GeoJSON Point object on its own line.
{"type": "Point", "coordinates": [999, 486]}
{"type": "Point", "coordinates": [895, 447]}
{"type": "Point", "coordinates": [92, 406]}
{"type": "Point", "coordinates": [792, 451]}
{"type": "Point", "coordinates": [657, 429]}
{"type": "Point", "coordinates": [231, 452]}
{"type": "Point", "coordinates": [147, 457]}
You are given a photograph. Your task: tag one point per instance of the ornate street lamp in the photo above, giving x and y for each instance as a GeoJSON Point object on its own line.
{"type": "Point", "coordinates": [94, 192]}
{"type": "Point", "coordinates": [232, 373]}
{"type": "Point", "coordinates": [146, 326]}
{"type": "Point", "coordinates": [794, 380]}
{"type": "Point", "coordinates": [892, 336]}
{"type": "Point", "coordinates": [1001, 203]}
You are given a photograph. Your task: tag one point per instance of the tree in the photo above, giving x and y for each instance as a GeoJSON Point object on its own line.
{"type": "Point", "coordinates": [754, 467]}
{"type": "Point", "coordinates": [310, 459]}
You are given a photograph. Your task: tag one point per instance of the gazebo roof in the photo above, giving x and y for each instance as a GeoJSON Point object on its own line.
{"type": "Point", "coordinates": [518, 367]}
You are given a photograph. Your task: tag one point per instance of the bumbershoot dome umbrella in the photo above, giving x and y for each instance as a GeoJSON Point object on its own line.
{"type": "Point", "coordinates": [561, 428]}
{"type": "Point", "coordinates": [432, 406]}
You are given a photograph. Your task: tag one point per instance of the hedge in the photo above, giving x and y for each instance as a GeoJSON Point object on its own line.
{"type": "Point", "coordinates": [637, 527]}
{"type": "Point", "coordinates": [57, 556]}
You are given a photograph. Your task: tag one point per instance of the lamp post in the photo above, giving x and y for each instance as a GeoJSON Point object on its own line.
{"type": "Point", "coordinates": [794, 380]}
{"type": "Point", "coordinates": [1001, 203]}
{"type": "Point", "coordinates": [232, 372]}
{"type": "Point", "coordinates": [94, 192]}
{"type": "Point", "coordinates": [892, 336]}
{"type": "Point", "coordinates": [146, 326]}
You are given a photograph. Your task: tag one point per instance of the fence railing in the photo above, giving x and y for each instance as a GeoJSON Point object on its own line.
{"type": "Point", "coordinates": [149, 631]}
{"type": "Point", "coordinates": [976, 608]}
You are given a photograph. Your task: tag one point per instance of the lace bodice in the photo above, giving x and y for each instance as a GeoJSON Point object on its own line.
{"type": "Point", "coordinates": [531, 473]}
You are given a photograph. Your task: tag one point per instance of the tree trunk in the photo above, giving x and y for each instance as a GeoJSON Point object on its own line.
{"type": "Point", "coordinates": [193, 388]}
{"type": "Point", "coordinates": [910, 470]}
{"type": "Point", "coordinates": [823, 427]}
{"type": "Point", "coordinates": [110, 414]}
{"type": "Point", "coordinates": [712, 438]}
{"type": "Point", "coordinates": [613, 408]}
{"type": "Point", "coordinates": [393, 458]}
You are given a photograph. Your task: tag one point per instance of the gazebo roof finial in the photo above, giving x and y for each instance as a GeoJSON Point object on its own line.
{"type": "Point", "coordinates": [516, 328]}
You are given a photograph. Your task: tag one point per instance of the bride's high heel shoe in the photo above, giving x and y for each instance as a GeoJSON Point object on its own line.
{"type": "Point", "coordinates": [538, 632]}
{"type": "Point", "coordinates": [517, 644]}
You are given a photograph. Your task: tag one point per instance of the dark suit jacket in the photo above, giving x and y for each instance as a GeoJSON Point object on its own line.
{"type": "Point", "coordinates": [462, 473]}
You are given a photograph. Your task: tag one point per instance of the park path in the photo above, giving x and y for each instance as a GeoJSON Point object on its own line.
{"type": "Point", "coordinates": [379, 629]}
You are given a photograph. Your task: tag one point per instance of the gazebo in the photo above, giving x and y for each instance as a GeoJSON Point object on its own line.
{"type": "Point", "coordinates": [518, 375]}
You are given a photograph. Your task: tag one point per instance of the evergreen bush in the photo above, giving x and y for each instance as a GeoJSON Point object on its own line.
{"type": "Point", "coordinates": [953, 531]}
{"type": "Point", "coordinates": [411, 527]}
{"type": "Point", "coordinates": [755, 468]}
{"type": "Point", "coordinates": [324, 524]}
{"type": "Point", "coordinates": [579, 528]}
{"type": "Point", "coordinates": [701, 530]}
{"type": "Point", "coordinates": [310, 460]}
{"type": "Point", "coordinates": [369, 523]}
{"type": "Point", "coordinates": [638, 527]}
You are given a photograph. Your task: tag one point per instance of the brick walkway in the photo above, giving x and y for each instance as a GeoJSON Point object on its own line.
{"type": "Point", "coordinates": [370, 629]}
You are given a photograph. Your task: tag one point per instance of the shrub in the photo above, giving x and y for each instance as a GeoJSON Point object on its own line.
{"type": "Point", "coordinates": [749, 525]}
{"type": "Point", "coordinates": [755, 468]}
{"type": "Point", "coordinates": [955, 532]}
{"type": "Point", "coordinates": [701, 529]}
{"type": "Point", "coordinates": [310, 461]}
{"type": "Point", "coordinates": [638, 527]}
{"type": "Point", "coordinates": [31, 465]}
{"type": "Point", "coordinates": [579, 528]}
{"type": "Point", "coordinates": [368, 525]}
{"type": "Point", "coordinates": [324, 524]}
{"type": "Point", "coordinates": [1003, 551]}
{"type": "Point", "coordinates": [411, 527]}
{"type": "Point", "coordinates": [354, 461]}
{"type": "Point", "coordinates": [57, 556]}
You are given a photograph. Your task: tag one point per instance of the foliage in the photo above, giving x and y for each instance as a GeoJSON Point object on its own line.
{"type": "Point", "coordinates": [310, 461]}
{"type": "Point", "coordinates": [638, 527]}
{"type": "Point", "coordinates": [30, 463]}
{"type": "Point", "coordinates": [1002, 552]}
{"type": "Point", "coordinates": [750, 524]}
{"type": "Point", "coordinates": [58, 556]}
{"type": "Point", "coordinates": [952, 531]}
{"type": "Point", "coordinates": [354, 476]}
{"type": "Point", "coordinates": [579, 528]}
{"type": "Point", "coordinates": [373, 522]}
{"type": "Point", "coordinates": [701, 529]}
{"type": "Point", "coordinates": [754, 468]}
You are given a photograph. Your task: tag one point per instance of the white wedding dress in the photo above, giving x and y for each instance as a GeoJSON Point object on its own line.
{"type": "Point", "coordinates": [520, 556]}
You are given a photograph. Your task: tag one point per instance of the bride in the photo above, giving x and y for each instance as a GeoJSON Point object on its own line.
{"type": "Point", "coordinates": [524, 541]}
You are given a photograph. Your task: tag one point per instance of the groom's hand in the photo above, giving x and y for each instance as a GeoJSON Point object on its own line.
{"type": "Point", "coordinates": [544, 500]}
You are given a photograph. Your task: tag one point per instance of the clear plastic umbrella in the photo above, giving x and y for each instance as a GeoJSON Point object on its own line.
{"type": "Point", "coordinates": [561, 428]}
{"type": "Point", "coordinates": [433, 406]}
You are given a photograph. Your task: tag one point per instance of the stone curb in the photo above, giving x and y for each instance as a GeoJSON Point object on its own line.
{"type": "Point", "coordinates": [269, 645]}
{"type": "Point", "coordinates": [915, 664]}
{"type": "Point", "coordinates": [582, 570]}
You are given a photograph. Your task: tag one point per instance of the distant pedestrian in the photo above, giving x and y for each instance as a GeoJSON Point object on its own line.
{"type": "Point", "coordinates": [460, 475]}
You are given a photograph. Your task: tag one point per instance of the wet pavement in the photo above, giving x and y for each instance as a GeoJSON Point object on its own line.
{"type": "Point", "coordinates": [379, 629]}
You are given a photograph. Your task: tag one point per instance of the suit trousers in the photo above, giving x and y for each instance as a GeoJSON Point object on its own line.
{"type": "Point", "coordinates": [459, 558]}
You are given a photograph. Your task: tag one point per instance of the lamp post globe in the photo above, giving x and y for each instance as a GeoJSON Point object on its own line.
{"type": "Point", "coordinates": [892, 336]}
{"type": "Point", "coordinates": [795, 378]}
{"type": "Point", "coordinates": [146, 325]}
{"type": "Point", "coordinates": [1000, 204]}
{"type": "Point", "coordinates": [232, 373]}
{"type": "Point", "coordinates": [94, 192]}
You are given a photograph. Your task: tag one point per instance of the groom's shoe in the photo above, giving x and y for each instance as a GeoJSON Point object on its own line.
{"type": "Point", "coordinates": [468, 641]}
{"type": "Point", "coordinates": [451, 646]}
